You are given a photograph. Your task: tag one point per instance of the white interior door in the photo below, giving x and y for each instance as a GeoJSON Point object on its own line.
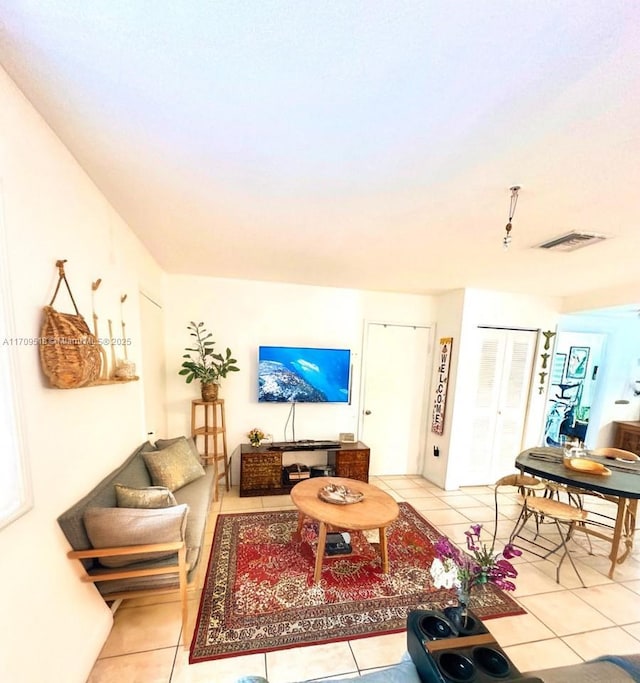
{"type": "Point", "coordinates": [502, 393]}
{"type": "Point", "coordinates": [153, 367]}
{"type": "Point", "coordinates": [393, 422]}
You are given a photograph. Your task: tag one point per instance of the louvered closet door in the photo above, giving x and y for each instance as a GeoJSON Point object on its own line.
{"type": "Point", "coordinates": [502, 392]}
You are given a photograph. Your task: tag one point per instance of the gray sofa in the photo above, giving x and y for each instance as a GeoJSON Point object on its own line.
{"type": "Point", "coordinates": [604, 669]}
{"type": "Point", "coordinates": [141, 529]}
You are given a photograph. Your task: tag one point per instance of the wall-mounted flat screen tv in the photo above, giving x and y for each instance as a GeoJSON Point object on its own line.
{"type": "Point", "coordinates": [291, 374]}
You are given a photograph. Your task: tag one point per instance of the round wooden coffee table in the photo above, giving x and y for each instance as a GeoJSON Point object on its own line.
{"type": "Point", "coordinates": [376, 510]}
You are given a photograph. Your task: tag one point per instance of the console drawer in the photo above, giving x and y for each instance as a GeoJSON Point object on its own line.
{"type": "Point", "coordinates": [352, 464]}
{"type": "Point", "coordinates": [260, 471]}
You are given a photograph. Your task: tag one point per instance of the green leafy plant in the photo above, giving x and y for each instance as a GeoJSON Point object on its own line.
{"type": "Point", "coordinates": [206, 365]}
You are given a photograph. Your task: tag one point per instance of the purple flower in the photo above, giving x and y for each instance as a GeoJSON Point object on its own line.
{"type": "Point", "coordinates": [511, 551]}
{"type": "Point", "coordinates": [482, 564]}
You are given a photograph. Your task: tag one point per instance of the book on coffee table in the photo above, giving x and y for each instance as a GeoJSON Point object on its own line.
{"type": "Point", "coordinates": [337, 544]}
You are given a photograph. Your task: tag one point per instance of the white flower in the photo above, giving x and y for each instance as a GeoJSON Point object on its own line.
{"type": "Point", "coordinates": [444, 574]}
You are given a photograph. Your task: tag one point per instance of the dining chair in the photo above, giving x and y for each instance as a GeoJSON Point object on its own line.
{"type": "Point", "coordinates": [545, 510]}
{"type": "Point", "coordinates": [597, 517]}
{"type": "Point", "coordinates": [614, 453]}
{"type": "Point", "coordinates": [526, 486]}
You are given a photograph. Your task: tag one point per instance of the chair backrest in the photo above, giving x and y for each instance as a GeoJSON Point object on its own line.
{"type": "Point", "coordinates": [525, 484]}
{"type": "Point", "coordinates": [616, 453]}
{"type": "Point", "coordinates": [519, 480]}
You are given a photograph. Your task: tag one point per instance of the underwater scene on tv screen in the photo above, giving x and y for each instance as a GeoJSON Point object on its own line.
{"type": "Point", "coordinates": [303, 375]}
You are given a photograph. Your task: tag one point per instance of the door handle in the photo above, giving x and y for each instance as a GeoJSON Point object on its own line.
{"type": "Point", "coordinates": [367, 412]}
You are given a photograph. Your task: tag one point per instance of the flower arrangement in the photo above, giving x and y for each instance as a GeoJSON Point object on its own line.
{"type": "Point", "coordinates": [255, 436]}
{"type": "Point", "coordinates": [453, 568]}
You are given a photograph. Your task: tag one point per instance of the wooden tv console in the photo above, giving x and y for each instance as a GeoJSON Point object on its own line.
{"type": "Point", "coordinates": [261, 467]}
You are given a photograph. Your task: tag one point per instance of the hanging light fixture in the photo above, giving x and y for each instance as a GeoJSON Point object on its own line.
{"type": "Point", "coordinates": [506, 240]}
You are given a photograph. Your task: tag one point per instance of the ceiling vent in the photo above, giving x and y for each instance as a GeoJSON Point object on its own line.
{"type": "Point", "coordinates": [572, 241]}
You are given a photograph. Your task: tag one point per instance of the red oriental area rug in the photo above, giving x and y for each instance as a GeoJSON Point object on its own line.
{"type": "Point", "coordinates": [259, 593]}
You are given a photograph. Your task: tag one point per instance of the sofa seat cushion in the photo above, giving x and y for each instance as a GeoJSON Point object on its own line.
{"type": "Point", "coordinates": [147, 497]}
{"type": "Point", "coordinates": [117, 527]}
{"type": "Point", "coordinates": [174, 466]}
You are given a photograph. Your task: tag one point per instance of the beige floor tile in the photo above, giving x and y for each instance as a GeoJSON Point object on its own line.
{"type": "Point", "coordinates": [415, 492]}
{"type": "Point", "coordinates": [283, 501]}
{"type": "Point", "coordinates": [139, 667]}
{"type": "Point", "coordinates": [564, 612]}
{"type": "Point", "coordinates": [242, 504]}
{"type": "Point", "coordinates": [568, 577]}
{"type": "Point", "coordinates": [616, 601]}
{"type": "Point", "coordinates": [459, 502]}
{"type": "Point", "coordinates": [225, 670]}
{"type": "Point", "coordinates": [531, 581]}
{"type": "Point", "coordinates": [448, 516]}
{"type": "Point", "coordinates": [522, 628]}
{"type": "Point", "coordinates": [487, 498]}
{"type": "Point", "coordinates": [431, 503]}
{"type": "Point", "coordinates": [447, 495]}
{"type": "Point", "coordinates": [509, 511]}
{"type": "Point", "coordinates": [634, 630]}
{"type": "Point", "coordinates": [479, 515]}
{"type": "Point", "coordinates": [610, 641]}
{"type": "Point", "coordinates": [455, 532]}
{"type": "Point", "coordinates": [477, 490]}
{"type": "Point", "coordinates": [629, 570]}
{"type": "Point", "coordinates": [379, 651]}
{"type": "Point", "coordinates": [401, 483]}
{"type": "Point", "coordinates": [314, 661]}
{"type": "Point", "coordinates": [632, 585]}
{"type": "Point", "coordinates": [541, 654]}
{"type": "Point", "coordinates": [144, 628]}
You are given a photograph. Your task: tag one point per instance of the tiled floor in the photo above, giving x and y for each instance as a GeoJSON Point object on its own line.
{"type": "Point", "coordinates": [564, 624]}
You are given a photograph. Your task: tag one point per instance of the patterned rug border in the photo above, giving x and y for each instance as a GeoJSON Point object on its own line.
{"type": "Point", "coordinates": [218, 578]}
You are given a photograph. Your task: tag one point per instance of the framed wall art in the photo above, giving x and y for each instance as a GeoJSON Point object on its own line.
{"type": "Point", "coordinates": [577, 364]}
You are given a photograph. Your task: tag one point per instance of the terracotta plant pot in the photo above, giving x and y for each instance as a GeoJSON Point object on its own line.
{"type": "Point", "coordinates": [209, 391]}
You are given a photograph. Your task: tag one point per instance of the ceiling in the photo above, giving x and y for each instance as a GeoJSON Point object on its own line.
{"type": "Point", "coordinates": [363, 144]}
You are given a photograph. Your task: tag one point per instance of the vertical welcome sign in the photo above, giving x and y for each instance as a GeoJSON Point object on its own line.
{"type": "Point", "coordinates": [440, 401]}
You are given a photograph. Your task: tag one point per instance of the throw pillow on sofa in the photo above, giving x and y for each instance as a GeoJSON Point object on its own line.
{"type": "Point", "coordinates": [174, 466]}
{"type": "Point", "coordinates": [117, 527]}
{"type": "Point", "coordinates": [148, 497]}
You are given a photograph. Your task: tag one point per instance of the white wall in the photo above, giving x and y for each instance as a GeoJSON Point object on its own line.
{"type": "Point", "coordinates": [449, 310]}
{"type": "Point", "coordinates": [245, 314]}
{"type": "Point", "coordinates": [53, 625]}
{"type": "Point", "coordinates": [619, 368]}
{"type": "Point", "coordinates": [474, 308]}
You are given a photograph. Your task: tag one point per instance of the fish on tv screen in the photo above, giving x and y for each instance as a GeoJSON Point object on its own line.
{"type": "Point", "coordinates": [293, 374]}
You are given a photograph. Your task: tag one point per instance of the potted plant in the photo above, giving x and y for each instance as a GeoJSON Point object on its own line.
{"type": "Point", "coordinates": [206, 365]}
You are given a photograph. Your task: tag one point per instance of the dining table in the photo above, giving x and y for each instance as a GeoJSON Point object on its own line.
{"type": "Point", "coordinates": [619, 484]}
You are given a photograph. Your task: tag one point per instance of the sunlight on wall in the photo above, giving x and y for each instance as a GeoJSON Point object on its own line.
{"type": "Point", "coordinates": [15, 486]}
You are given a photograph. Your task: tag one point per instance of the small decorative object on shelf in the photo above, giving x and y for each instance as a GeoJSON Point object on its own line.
{"type": "Point", "coordinates": [453, 568]}
{"type": "Point", "coordinates": [255, 437]}
{"type": "Point", "coordinates": [207, 366]}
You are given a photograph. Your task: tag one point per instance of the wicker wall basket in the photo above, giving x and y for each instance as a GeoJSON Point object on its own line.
{"type": "Point", "coordinates": [69, 352]}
